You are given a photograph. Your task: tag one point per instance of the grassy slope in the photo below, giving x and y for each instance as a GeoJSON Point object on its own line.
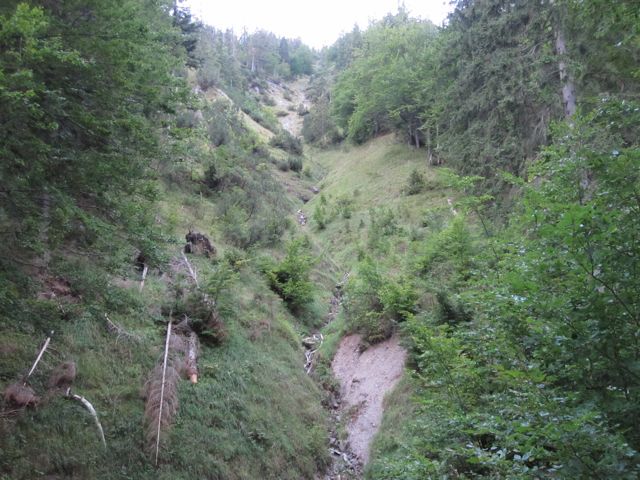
{"type": "Point", "coordinates": [375, 175]}
{"type": "Point", "coordinates": [371, 176]}
{"type": "Point", "coordinates": [253, 414]}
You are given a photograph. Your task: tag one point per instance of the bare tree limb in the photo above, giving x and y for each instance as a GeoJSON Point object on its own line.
{"type": "Point", "coordinates": [91, 410]}
{"type": "Point", "coordinates": [164, 376]}
{"type": "Point", "coordinates": [42, 350]}
{"type": "Point", "coordinates": [453, 210]}
{"type": "Point", "coordinates": [144, 275]}
{"type": "Point", "coordinates": [192, 272]}
{"type": "Point", "coordinates": [119, 331]}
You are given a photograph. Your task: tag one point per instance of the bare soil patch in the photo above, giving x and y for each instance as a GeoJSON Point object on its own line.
{"type": "Point", "coordinates": [365, 378]}
{"type": "Point", "coordinates": [288, 98]}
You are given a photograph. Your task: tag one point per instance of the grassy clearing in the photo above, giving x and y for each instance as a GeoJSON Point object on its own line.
{"type": "Point", "coordinates": [371, 176]}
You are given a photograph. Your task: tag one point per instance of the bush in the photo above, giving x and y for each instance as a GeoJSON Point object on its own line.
{"type": "Point", "coordinates": [282, 165]}
{"type": "Point", "coordinates": [320, 216]}
{"type": "Point", "coordinates": [451, 311]}
{"type": "Point", "coordinates": [375, 302]}
{"type": "Point", "coordinates": [287, 142]}
{"type": "Point", "coordinates": [208, 75]}
{"type": "Point", "coordinates": [269, 101]}
{"type": "Point", "coordinates": [450, 253]}
{"type": "Point", "coordinates": [252, 108]}
{"type": "Point", "coordinates": [295, 164]}
{"type": "Point", "coordinates": [202, 313]}
{"type": "Point", "coordinates": [222, 122]}
{"type": "Point", "coordinates": [302, 110]}
{"type": "Point", "coordinates": [290, 278]}
{"type": "Point", "coordinates": [416, 183]}
{"type": "Point", "coordinates": [319, 127]}
{"type": "Point", "coordinates": [344, 206]}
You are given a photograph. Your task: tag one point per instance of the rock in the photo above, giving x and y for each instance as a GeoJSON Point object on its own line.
{"type": "Point", "coordinates": [309, 342]}
{"type": "Point", "coordinates": [302, 218]}
{"type": "Point", "coordinates": [315, 190]}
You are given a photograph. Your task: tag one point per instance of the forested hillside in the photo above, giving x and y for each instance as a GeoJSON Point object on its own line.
{"type": "Point", "coordinates": [518, 299]}
{"type": "Point", "coordinates": [145, 234]}
{"type": "Point", "coordinates": [177, 268]}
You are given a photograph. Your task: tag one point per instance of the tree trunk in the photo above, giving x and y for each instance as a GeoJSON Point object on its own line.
{"type": "Point", "coordinates": [568, 87]}
{"type": "Point", "coordinates": [44, 228]}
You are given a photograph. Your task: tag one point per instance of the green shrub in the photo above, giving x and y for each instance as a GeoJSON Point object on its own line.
{"type": "Point", "coordinates": [295, 164]}
{"type": "Point", "coordinates": [375, 302]}
{"type": "Point", "coordinates": [320, 216]}
{"type": "Point", "coordinates": [416, 183]}
{"type": "Point", "coordinates": [287, 142]}
{"type": "Point", "coordinates": [290, 278]}
{"type": "Point", "coordinates": [383, 221]}
{"type": "Point", "coordinates": [450, 253]}
{"type": "Point", "coordinates": [283, 165]}
{"type": "Point", "coordinates": [344, 206]}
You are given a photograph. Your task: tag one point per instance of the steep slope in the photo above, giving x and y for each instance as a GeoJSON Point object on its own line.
{"type": "Point", "coordinates": [254, 413]}
{"type": "Point", "coordinates": [362, 188]}
{"type": "Point", "coordinates": [291, 103]}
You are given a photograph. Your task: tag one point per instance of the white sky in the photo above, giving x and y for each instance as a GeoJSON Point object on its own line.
{"type": "Point", "coordinates": [317, 22]}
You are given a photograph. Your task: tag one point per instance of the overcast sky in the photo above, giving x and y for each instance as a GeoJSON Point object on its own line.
{"type": "Point", "coordinates": [316, 22]}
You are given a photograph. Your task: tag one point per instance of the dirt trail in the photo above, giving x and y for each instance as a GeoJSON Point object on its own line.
{"type": "Point", "coordinates": [365, 378]}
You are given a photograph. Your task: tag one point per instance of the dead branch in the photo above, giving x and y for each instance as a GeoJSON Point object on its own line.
{"type": "Point", "coordinates": [144, 275]}
{"type": "Point", "coordinates": [308, 354]}
{"type": "Point", "coordinates": [42, 350]}
{"type": "Point", "coordinates": [164, 376]}
{"type": "Point", "coordinates": [453, 210]}
{"type": "Point", "coordinates": [119, 331]}
{"type": "Point", "coordinates": [91, 410]}
{"type": "Point", "coordinates": [192, 357]}
{"type": "Point", "coordinates": [193, 273]}
{"type": "Point", "coordinates": [63, 375]}
{"type": "Point", "coordinates": [20, 395]}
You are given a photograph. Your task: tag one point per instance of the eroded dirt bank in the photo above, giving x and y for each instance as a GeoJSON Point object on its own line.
{"type": "Point", "coordinates": [365, 378]}
{"type": "Point", "coordinates": [289, 99]}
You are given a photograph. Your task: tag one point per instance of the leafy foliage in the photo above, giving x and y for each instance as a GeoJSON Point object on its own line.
{"type": "Point", "coordinates": [375, 302]}
{"type": "Point", "coordinates": [481, 93]}
{"type": "Point", "coordinates": [287, 142]}
{"type": "Point", "coordinates": [78, 117]}
{"type": "Point", "coordinates": [384, 87]}
{"type": "Point", "coordinates": [526, 366]}
{"type": "Point", "coordinates": [290, 278]}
